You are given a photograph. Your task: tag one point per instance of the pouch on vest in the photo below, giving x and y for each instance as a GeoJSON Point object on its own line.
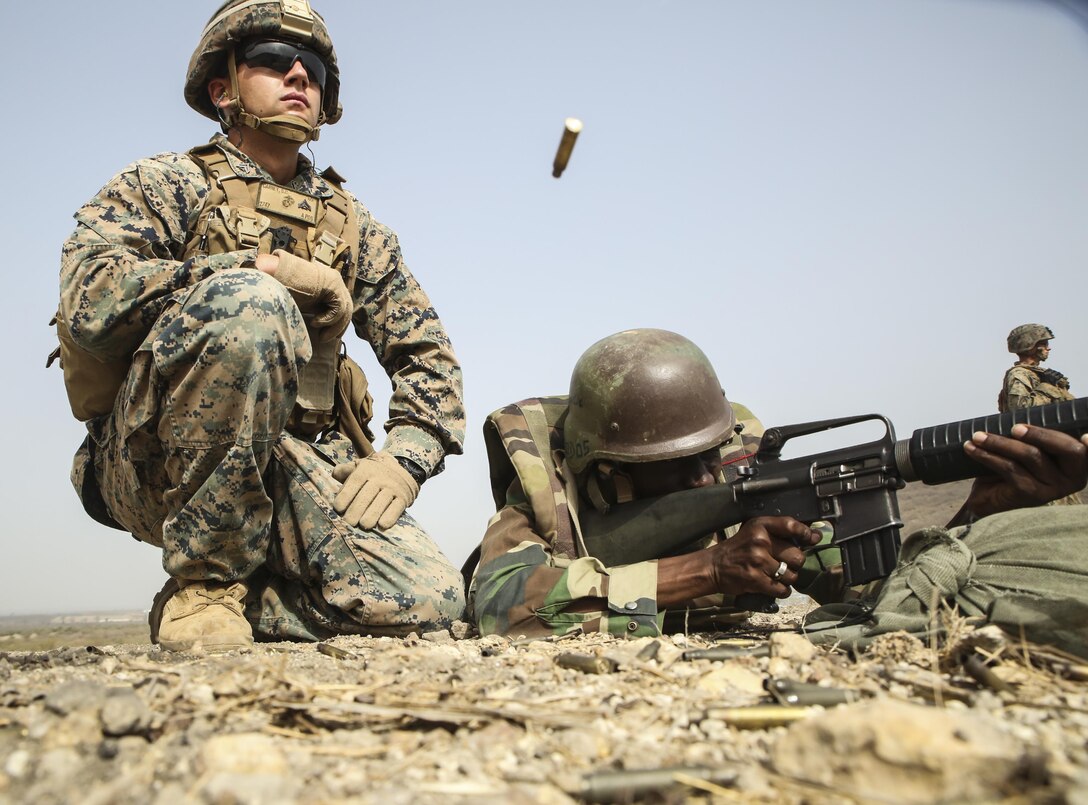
{"type": "Point", "coordinates": [90, 383]}
{"type": "Point", "coordinates": [354, 406]}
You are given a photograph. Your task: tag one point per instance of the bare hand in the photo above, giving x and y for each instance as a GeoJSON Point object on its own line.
{"type": "Point", "coordinates": [1034, 466]}
{"type": "Point", "coordinates": [748, 561]}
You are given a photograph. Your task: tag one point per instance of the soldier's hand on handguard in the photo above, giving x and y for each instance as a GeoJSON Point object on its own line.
{"type": "Point", "coordinates": [1034, 466]}
{"type": "Point", "coordinates": [376, 491]}
{"type": "Point", "coordinates": [319, 292]}
{"type": "Point", "coordinates": [763, 556]}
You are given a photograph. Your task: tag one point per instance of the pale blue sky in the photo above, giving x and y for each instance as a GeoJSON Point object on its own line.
{"type": "Point", "coordinates": [846, 203]}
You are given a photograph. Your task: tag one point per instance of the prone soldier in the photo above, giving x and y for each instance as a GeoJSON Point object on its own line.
{"type": "Point", "coordinates": [646, 417]}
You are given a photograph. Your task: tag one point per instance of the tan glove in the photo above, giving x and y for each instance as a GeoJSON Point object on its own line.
{"type": "Point", "coordinates": [376, 491]}
{"type": "Point", "coordinates": [319, 292]}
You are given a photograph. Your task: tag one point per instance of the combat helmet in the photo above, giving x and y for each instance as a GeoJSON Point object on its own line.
{"type": "Point", "coordinates": [1026, 336]}
{"type": "Point", "coordinates": [644, 395]}
{"type": "Point", "coordinates": [239, 20]}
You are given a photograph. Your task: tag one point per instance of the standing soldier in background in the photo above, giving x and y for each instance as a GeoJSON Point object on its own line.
{"type": "Point", "coordinates": [1027, 383]}
{"type": "Point", "coordinates": [203, 299]}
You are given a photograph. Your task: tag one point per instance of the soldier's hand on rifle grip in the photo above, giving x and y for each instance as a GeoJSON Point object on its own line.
{"type": "Point", "coordinates": [751, 560]}
{"type": "Point", "coordinates": [1035, 466]}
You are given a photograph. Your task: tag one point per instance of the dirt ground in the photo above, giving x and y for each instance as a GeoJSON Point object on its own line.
{"type": "Point", "coordinates": [451, 718]}
{"type": "Point", "coordinates": [593, 718]}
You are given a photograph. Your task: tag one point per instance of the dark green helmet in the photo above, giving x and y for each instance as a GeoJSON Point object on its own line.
{"type": "Point", "coordinates": [1026, 336]}
{"type": "Point", "coordinates": [644, 395]}
{"type": "Point", "coordinates": [236, 21]}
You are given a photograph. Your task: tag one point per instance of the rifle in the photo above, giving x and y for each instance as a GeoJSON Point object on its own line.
{"type": "Point", "coordinates": [853, 487]}
{"type": "Point", "coordinates": [1053, 377]}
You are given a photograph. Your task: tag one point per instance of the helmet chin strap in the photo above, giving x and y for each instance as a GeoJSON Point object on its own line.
{"type": "Point", "coordinates": [283, 127]}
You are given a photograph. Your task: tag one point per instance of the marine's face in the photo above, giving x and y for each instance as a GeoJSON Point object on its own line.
{"type": "Point", "coordinates": [657, 478]}
{"type": "Point", "coordinates": [1042, 350]}
{"type": "Point", "coordinates": [284, 81]}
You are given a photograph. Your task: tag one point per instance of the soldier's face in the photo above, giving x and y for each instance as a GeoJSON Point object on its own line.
{"type": "Point", "coordinates": [266, 92]}
{"type": "Point", "coordinates": [1042, 350]}
{"type": "Point", "coordinates": [674, 475]}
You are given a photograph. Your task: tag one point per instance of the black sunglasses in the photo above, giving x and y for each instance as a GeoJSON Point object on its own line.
{"type": "Point", "coordinates": [281, 57]}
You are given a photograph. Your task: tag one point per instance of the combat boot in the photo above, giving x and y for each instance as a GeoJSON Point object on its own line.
{"type": "Point", "coordinates": [200, 616]}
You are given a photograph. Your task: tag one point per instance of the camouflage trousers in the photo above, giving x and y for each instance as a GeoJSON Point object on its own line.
{"type": "Point", "coordinates": [194, 459]}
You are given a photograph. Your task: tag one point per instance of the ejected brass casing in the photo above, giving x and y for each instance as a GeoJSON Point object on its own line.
{"type": "Point", "coordinates": [759, 716]}
{"type": "Point", "coordinates": [627, 786]}
{"type": "Point", "coordinates": [586, 663]}
{"type": "Point", "coordinates": [571, 127]}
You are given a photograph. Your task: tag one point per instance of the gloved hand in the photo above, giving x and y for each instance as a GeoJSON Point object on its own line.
{"type": "Point", "coordinates": [317, 290]}
{"type": "Point", "coordinates": [376, 491]}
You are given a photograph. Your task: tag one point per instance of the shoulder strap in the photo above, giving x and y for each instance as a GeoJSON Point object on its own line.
{"type": "Point", "coordinates": [522, 440]}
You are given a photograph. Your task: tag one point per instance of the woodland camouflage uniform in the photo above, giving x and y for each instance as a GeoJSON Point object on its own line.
{"type": "Point", "coordinates": [533, 577]}
{"type": "Point", "coordinates": [203, 451]}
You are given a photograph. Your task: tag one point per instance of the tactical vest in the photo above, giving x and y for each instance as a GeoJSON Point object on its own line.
{"type": "Point", "coordinates": [1042, 392]}
{"type": "Point", "coordinates": [245, 212]}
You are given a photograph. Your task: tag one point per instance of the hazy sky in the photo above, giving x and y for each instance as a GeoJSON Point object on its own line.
{"type": "Point", "coordinates": [847, 203]}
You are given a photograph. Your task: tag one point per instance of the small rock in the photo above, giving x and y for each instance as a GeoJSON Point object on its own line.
{"type": "Point", "coordinates": [246, 768]}
{"type": "Point", "coordinates": [17, 764]}
{"type": "Point", "coordinates": [921, 754]}
{"type": "Point", "coordinates": [461, 630]}
{"type": "Point", "coordinates": [58, 764]}
{"type": "Point", "coordinates": [74, 695]}
{"type": "Point", "coordinates": [243, 753]}
{"type": "Point", "coordinates": [440, 636]}
{"type": "Point", "coordinates": [200, 694]}
{"type": "Point", "coordinates": [779, 667]}
{"type": "Point", "coordinates": [793, 647]}
{"type": "Point", "coordinates": [124, 713]}
{"type": "Point", "coordinates": [731, 677]}
{"type": "Point", "coordinates": [250, 789]}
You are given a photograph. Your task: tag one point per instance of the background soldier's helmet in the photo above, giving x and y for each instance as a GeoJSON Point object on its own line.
{"type": "Point", "coordinates": [239, 20]}
{"type": "Point", "coordinates": [1026, 336]}
{"type": "Point", "coordinates": [644, 395]}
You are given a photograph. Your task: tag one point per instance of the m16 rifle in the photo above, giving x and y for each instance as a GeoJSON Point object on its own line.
{"type": "Point", "coordinates": [854, 488]}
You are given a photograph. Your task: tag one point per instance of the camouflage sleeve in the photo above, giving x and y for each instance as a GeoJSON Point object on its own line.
{"type": "Point", "coordinates": [394, 315]}
{"type": "Point", "coordinates": [523, 587]}
{"type": "Point", "coordinates": [120, 267]}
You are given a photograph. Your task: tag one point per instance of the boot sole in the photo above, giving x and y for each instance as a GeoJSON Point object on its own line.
{"type": "Point", "coordinates": [206, 645]}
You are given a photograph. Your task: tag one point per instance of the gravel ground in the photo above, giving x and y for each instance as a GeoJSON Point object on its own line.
{"type": "Point", "coordinates": [447, 718]}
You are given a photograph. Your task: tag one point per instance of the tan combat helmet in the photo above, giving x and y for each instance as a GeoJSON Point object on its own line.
{"type": "Point", "coordinates": [1023, 338]}
{"type": "Point", "coordinates": [644, 395]}
{"type": "Point", "coordinates": [239, 20]}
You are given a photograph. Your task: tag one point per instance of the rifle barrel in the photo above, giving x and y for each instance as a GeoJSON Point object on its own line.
{"type": "Point", "coordinates": [935, 455]}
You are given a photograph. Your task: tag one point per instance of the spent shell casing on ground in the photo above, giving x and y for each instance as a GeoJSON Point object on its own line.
{"type": "Point", "coordinates": [571, 127]}
{"type": "Point", "coordinates": [727, 652]}
{"type": "Point", "coordinates": [336, 652]}
{"type": "Point", "coordinates": [791, 692]}
{"type": "Point", "coordinates": [586, 663]}
{"type": "Point", "coordinates": [760, 716]}
{"type": "Point", "coordinates": [625, 786]}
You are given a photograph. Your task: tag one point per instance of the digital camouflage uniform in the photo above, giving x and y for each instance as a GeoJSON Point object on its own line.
{"type": "Point", "coordinates": [533, 577]}
{"type": "Point", "coordinates": [194, 457]}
